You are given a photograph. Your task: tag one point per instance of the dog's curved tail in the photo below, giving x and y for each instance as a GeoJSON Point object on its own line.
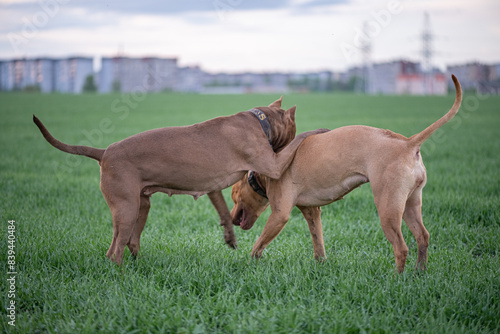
{"type": "Point", "coordinates": [419, 138]}
{"type": "Point", "coordinates": [91, 152]}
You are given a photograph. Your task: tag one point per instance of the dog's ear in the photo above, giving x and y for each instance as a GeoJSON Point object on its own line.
{"type": "Point", "coordinates": [277, 103]}
{"type": "Point", "coordinates": [291, 113]}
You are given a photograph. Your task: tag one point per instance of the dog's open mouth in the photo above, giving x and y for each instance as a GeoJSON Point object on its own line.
{"type": "Point", "coordinates": [242, 220]}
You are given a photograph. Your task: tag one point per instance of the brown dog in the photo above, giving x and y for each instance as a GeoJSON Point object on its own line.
{"type": "Point", "coordinates": [194, 160]}
{"type": "Point", "coordinates": [328, 166]}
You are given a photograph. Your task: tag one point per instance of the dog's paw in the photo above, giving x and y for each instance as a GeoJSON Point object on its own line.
{"type": "Point", "coordinates": [230, 240]}
{"type": "Point", "coordinates": [320, 259]}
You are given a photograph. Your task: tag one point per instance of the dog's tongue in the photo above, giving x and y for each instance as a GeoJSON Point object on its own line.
{"type": "Point", "coordinates": [244, 223]}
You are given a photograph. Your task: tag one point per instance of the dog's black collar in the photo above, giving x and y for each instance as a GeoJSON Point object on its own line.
{"type": "Point", "coordinates": [264, 122]}
{"type": "Point", "coordinates": [252, 181]}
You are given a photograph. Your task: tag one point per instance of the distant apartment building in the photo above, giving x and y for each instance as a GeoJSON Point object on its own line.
{"type": "Point", "coordinates": [248, 82]}
{"type": "Point", "coordinates": [470, 74]}
{"type": "Point", "coordinates": [312, 81]}
{"type": "Point", "coordinates": [6, 80]}
{"type": "Point", "coordinates": [494, 72]}
{"type": "Point", "coordinates": [405, 77]}
{"type": "Point", "coordinates": [265, 82]}
{"type": "Point", "coordinates": [384, 76]}
{"type": "Point", "coordinates": [3, 69]}
{"type": "Point", "coordinates": [492, 86]}
{"type": "Point", "coordinates": [18, 74]}
{"type": "Point", "coordinates": [422, 84]}
{"type": "Point", "coordinates": [45, 74]}
{"type": "Point", "coordinates": [481, 78]}
{"type": "Point", "coordinates": [70, 74]}
{"type": "Point", "coordinates": [149, 74]}
{"type": "Point", "coordinates": [190, 79]}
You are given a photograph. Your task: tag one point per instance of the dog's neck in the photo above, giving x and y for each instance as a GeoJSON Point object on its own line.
{"type": "Point", "coordinates": [255, 181]}
{"type": "Point", "coordinates": [278, 133]}
{"type": "Point", "coordinates": [264, 123]}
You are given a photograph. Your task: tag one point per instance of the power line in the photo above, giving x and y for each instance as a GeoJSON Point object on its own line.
{"type": "Point", "coordinates": [427, 53]}
{"type": "Point", "coordinates": [366, 54]}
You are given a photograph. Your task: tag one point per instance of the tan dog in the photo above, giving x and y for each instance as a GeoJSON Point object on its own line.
{"type": "Point", "coordinates": [194, 160]}
{"type": "Point", "coordinates": [328, 166]}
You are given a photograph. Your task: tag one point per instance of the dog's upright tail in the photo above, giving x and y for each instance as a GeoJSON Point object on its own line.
{"type": "Point", "coordinates": [419, 138]}
{"type": "Point", "coordinates": [91, 152]}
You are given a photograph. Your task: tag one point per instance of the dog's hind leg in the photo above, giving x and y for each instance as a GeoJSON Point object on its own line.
{"type": "Point", "coordinates": [124, 220]}
{"type": "Point", "coordinates": [413, 219]}
{"type": "Point", "coordinates": [125, 216]}
{"type": "Point", "coordinates": [123, 199]}
{"type": "Point", "coordinates": [225, 217]}
{"type": "Point", "coordinates": [134, 242]}
{"type": "Point", "coordinates": [391, 225]}
{"type": "Point", "coordinates": [390, 198]}
{"type": "Point", "coordinates": [313, 216]}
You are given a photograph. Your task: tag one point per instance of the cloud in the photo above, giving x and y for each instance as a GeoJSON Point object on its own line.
{"type": "Point", "coordinates": [168, 7]}
{"type": "Point", "coordinates": [248, 34]}
{"type": "Point", "coordinates": [69, 14]}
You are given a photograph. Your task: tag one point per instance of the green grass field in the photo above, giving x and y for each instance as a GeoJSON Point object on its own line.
{"type": "Point", "coordinates": [188, 281]}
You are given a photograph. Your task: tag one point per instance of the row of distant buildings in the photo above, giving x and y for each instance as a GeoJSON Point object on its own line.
{"type": "Point", "coordinates": [407, 77]}
{"type": "Point", "coordinates": [153, 74]}
{"type": "Point", "coordinates": [48, 75]}
{"type": "Point", "coordinates": [69, 75]}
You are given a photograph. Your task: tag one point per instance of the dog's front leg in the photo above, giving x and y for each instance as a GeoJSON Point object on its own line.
{"type": "Point", "coordinates": [274, 225]}
{"type": "Point", "coordinates": [225, 217]}
{"type": "Point", "coordinates": [313, 216]}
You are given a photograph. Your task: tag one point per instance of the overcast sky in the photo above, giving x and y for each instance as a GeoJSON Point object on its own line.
{"type": "Point", "coordinates": [252, 35]}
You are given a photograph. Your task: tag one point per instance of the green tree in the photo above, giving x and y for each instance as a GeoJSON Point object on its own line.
{"type": "Point", "coordinates": [89, 85]}
{"type": "Point", "coordinates": [116, 86]}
